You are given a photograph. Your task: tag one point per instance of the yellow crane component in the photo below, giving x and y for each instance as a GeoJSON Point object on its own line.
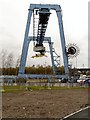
{"type": "Point", "coordinates": [38, 55]}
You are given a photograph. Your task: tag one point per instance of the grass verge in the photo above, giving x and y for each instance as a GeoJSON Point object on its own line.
{"type": "Point", "coordinates": [35, 88]}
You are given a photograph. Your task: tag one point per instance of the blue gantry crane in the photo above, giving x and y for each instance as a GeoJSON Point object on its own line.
{"type": "Point", "coordinates": [41, 14]}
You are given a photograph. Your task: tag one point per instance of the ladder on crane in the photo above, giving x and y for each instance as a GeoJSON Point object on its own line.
{"type": "Point", "coordinates": [56, 60]}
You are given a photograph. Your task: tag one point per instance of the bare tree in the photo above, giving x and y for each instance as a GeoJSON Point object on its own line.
{"type": "Point", "coordinates": [18, 61]}
{"type": "Point", "coordinates": [10, 61]}
{"type": "Point", "coordinates": [17, 64]}
{"type": "Point", "coordinates": [3, 58]}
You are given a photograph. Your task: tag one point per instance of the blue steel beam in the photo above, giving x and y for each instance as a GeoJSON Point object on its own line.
{"type": "Point", "coordinates": [52, 59]}
{"type": "Point", "coordinates": [65, 58]}
{"type": "Point", "coordinates": [25, 45]}
{"type": "Point", "coordinates": [30, 38]}
{"type": "Point", "coordinates": [49, 6]}
{"type": "Point", "coordinates": [39, 76]}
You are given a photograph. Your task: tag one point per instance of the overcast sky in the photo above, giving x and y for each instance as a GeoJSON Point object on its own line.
{"type": "Point", "coordinates": [13, 18]}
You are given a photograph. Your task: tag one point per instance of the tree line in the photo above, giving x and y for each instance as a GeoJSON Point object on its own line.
{"type": "Point", "coordinates": [10, 67]}
{"type": "Point", "coordinates": [36, 70]}
{"type": "Point", "coordinates": [31, 70]}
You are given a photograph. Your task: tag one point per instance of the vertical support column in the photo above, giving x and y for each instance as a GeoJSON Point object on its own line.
{"type": "Point", "coordinates": [25, 45]}
{"type": "Point", "coordinates": [65, 58]}
{"type": "Point", "coordinates": [51, 52]}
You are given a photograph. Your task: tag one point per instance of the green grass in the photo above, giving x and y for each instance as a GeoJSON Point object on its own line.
{"type": "Point", "coordinates": [14, 88]}
{"type": "Point", "coordinates": [35, 88]}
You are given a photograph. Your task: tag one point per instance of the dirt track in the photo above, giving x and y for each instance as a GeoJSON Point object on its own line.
{"type": "Point", "coordinates": [43, 104]}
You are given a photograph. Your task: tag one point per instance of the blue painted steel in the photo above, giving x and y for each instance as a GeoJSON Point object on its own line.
{"type": "Point", "coordinates": [25, 45]}
{"type": "Point", "coordinates": [39, 76]}
{"type": "Point", "coordinates": [28, 39]}
{"type": "Point", "coordinates": [50, 45]}
{"type": "Point", "coordinates": [49, 6]}
{"type": "Point", "coordinates": [65, 58]}
{"type": "Point", "coordinates": [56, 58]}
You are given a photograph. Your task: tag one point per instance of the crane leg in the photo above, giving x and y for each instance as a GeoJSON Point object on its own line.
{"type": "Point", "coordinates": [65, 58]}
{"type": "Point", "coordinates": [25, 46]}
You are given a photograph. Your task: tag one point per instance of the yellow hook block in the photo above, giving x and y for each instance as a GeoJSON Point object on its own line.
{"type": "Point", "coordinates": [38, 55]}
